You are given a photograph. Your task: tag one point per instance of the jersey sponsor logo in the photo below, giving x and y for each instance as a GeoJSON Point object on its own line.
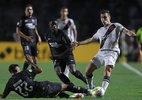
{"type": "Point", "coordinates": [55, 45]}
{"type": "Point", "coordinates": [30, 25]}
{"type": "Point", "coordinates": [26, 20]}
{"type": "Point", "coordinates": [33, 20]}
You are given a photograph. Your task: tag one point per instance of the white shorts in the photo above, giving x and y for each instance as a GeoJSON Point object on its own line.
{"type": "Point", "coordinates": [104, 58]}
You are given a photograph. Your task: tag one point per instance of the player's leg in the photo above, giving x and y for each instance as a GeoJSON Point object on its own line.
{"type": "Point", "coordinates": [25, 66]}
{"type": "Point", "coordinates": [66, 72]}
{"type": "Point", "coordinates": [26, 50]}
{"type": "Point", "coordinates": [72, 68]}
{"type": "Point", "coordinates": [73, 88]}
{"type": "Point", "coordinates": [89, 75]}
{"type": "Point", "coordinates": [34, 53]}
{"type": "Point", "coordinates": [59, 68]}
{"type": "Point", "coordinates": [109, 60]}
{"type": "Point", "coordinates": [76, 73]}
{"type": "Point", "coordinates": [107, 74]}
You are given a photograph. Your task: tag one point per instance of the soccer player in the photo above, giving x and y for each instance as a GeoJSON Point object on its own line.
{"type": "Point", "coordinates": [108, 36]}
{"type": "Point", "coordinates": [23, 83]}
{"type": "Point", "coordinates": [68, 26]}
{"type": "Point", "coordinates": [27, 30]}
{"type": "Point", "coordinates": [61, 53]}
{"type": "Point", "coordinates": [139, 41]}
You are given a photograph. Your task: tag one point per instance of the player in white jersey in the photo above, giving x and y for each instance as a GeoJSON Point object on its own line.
{"type": "Point", "coordinates": [108, 35]}
{"type": "Point", "coordinates": [68, 26]}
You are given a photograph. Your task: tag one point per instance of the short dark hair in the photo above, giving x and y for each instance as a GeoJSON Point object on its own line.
{"type": "Point", "coordinates": [12, 68]}
{"type": "Point", "coordinates": [64, 7]}
{"type": "Point", "coordinates": [105, 11]}
{"type": "Point", "coordinates": [29, 5]}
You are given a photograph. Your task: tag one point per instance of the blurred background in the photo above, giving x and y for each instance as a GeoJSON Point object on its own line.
{"type": "Point", "coordinates": [84, 12]}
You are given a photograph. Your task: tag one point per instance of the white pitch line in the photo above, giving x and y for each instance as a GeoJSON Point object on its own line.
{"type": "Point", "coordinates": [131, 68]}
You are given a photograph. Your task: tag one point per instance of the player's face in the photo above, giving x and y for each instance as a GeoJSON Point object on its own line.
{"type": "Point", "coordinates": [29, 11]}
{"type": "Point", "coordinates": [17, 69]}
{"type": "Point", "coordinates": [64, 12]}
{"type": "Point", "coordinates": [105, 19]}
{"type": "Point", "coordinates": [53, 26]}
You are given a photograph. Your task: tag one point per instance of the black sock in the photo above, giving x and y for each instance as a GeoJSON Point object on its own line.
{"type": "Point", "coordinates": [25, 66]}
{"type": "Point", "coordinates": [76, 89]}
{"type": "Point", "coordinates": [64, 79]}
{"type": "Point", "coordinates": [79, 75]}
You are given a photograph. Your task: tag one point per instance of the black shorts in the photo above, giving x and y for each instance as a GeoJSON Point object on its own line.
{"type": "Point", "coordinates": [30, 48]}
{"type": "Point", "coordinates": [65, 61]}
{"type": "Point", "coordinates": [46, 89]}
{"type": "Point", "coordinates": [49, 89]}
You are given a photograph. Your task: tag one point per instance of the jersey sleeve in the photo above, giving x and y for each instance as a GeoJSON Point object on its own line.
{"type": "Point", "coordinates": [35, 22]}
{"type": "Point", "coordinates": [7, 90]}
{"type": "Point", "coordinates": [119, 26]}
{"type": "Point", "coordinates": [73, 24]}
{"type": "Point", "coordinates": [19, 23]}
{"type": "Point", "coordinates": [96, 35]}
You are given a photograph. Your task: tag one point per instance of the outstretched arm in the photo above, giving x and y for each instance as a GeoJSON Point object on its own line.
{"type": "Point", "coordinates": [87, 41]}
{"type": "Point", "coordinates": [128, 32]}
{"type": "Point", "coordinates": [37, 68]}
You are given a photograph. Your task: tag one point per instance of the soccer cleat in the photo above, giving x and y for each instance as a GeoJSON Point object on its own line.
{"type": "Point", "coordinates": [77, 95]}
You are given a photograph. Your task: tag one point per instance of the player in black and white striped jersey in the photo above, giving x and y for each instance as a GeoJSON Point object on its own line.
{"type": "Point", "coordinates": [108, 35]}
{"type": "Point", "coordinates": [68, 26]}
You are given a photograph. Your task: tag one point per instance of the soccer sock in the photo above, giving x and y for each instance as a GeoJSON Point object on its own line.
{"type": "Point", "coordinates": [79, 75]}
{"type": "Point", "coordinates": [105, 82]}
{"type": "Point", "coordinates": [76, 89]}
{"type": "Point", "coordinates": [66, 72]}
{"type": "Point", "coordinates": [64, 79]}
{"type": "Point", "coordinates": [89, 79]}
{"type": "Point", "coordinates": [25, 66]}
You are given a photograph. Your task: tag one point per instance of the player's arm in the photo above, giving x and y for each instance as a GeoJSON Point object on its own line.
{"type": "Point", "coordinates": [38, 36]}
{"type": "Point", "coordinates": [6, 91]}
{"type": "Point", "coordinates": [129, 32]}
{"type": "Point", "coordinates": [75, 34]}
{"type": "Point", "coordinates": [21, 34]}
{"type": "Point", "coordinates": [87, 41]}
{"type": "Point", "coordinates": [36, 67]}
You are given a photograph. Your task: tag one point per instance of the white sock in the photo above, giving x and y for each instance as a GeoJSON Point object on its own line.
{"type": "Point", "coordinates": [66, 72]}
{"type": "Point", "coordinates": [105, 85]}
{"type": "Point", "coordinates": [90, 82]}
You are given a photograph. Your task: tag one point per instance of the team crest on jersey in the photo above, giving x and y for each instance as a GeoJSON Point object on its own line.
{"type": "Point", "coordinates": [33, 20]}
{"type": "Point", "coordinates": [26, 20]}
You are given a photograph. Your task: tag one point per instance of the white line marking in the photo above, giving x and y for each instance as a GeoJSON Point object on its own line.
{"type": "Point", "coordinates": [131, 68]}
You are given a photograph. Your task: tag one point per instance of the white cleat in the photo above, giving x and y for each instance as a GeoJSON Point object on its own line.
{"type": "Point", "coordinates": [77, 95]}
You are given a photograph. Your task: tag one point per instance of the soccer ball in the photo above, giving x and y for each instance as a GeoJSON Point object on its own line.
{"type": "Point", "coordinates": [97, 92]}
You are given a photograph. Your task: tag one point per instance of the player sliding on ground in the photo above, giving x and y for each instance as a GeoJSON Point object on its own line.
{"type": "Point", "coordinates": [23, 83]}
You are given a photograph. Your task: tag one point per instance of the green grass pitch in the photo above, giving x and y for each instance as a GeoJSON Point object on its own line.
{"type": "Point", "coordinates": [124, 84]}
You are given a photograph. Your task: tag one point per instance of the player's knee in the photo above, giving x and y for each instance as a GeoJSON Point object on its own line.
{"type": "Point", "coordinates": [109, 68]}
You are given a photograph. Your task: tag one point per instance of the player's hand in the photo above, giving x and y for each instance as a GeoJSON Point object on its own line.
{"type": "Point", "coordinates": [29, 39]}
{"type": "Point", "coordinates": [29, 58]}
{"type": "Point", "coordinates": [39, 40]}
{"type": "Point", "coordinates": [133, 34]}
{"type": "Point", "coordinates": [74, 44]}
